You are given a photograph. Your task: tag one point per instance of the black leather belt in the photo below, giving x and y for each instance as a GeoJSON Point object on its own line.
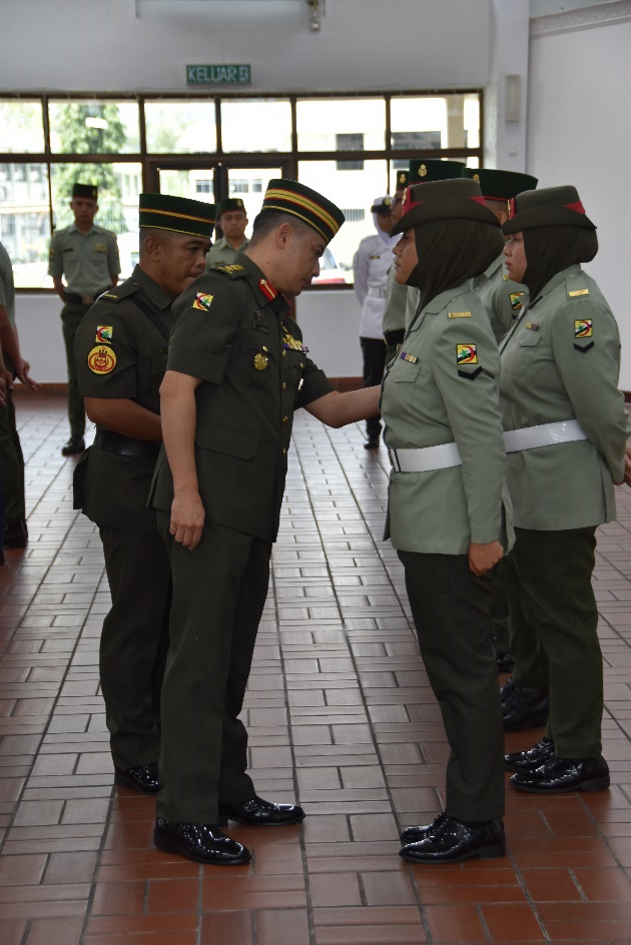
{"type": "Point", "coordinates": [82, 299]}
{"type": "Point", "coordinates": [394, 337]}
{"type": "Point", "coordinates": [112, 442]}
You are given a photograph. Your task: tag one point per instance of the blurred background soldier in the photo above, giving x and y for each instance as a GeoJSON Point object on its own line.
{"type": "Point", "coordinates": [233, 219]}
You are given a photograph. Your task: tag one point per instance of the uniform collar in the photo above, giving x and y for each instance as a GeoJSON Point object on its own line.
{"type": "Point", "coordinates": [73, 228]}
{"type": "Point", "coordinates": [155, 293]}
{"type": "Point", "coordinates": [263, 290]}
{"type": "Point", "coordinates": [556, 280]}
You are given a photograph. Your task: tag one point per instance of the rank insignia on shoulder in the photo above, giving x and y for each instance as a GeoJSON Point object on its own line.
{"type": "Point", "coordinates": [202, 302]}
{"type": "Point", "coordinates": [583, 328]}
{"type": "Point", "coordinates": [411, 358]}
{"type": "Point", "coordinates": [466, 354]}
{"type": "Point", "coordinates": [459, 314]}
{"type": "Point", "coordinates": [268, 290]}
{"type": "Point", "coordinates": [578, 292]}
{"type": "Point", "coordinates": [515, 300]}
{"type": "Point", "coordinates": [232, 267]}
{"type": "Point", "coordinates": [104, 334]}
{"type": "Point", "coordinates": [108, 295]}
{"type": "Point", "coordinates": [101, 360]}
{"type": "Point", "coordinates": [531, 326]}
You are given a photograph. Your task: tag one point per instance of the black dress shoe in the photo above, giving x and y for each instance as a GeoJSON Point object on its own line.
{"type": "Point", "coordinates": [532, 758]}
{"type": "Point", "coordinates": [15, 534]}
{"type": "Point", "coordinates": [453, 841]}
{"type": "Point", "coordinates": [204, 843]}
{"type": "Point", "coordinates": [523, 706]}
{"type": "Point", "coordinates": [505, 662]}
{"type": "Point", "coordinates": [144, 778]}
{"type": "Point", "coordinates": [260, 813]}
{"type": "Point", "coordinates": [76, 444]}
{"type": "Point", "coordinates": [372, 442]}
{"type": "Point", "coordinates": [412, 834]}
{"type": "Point", "coordinates": [561, 775]}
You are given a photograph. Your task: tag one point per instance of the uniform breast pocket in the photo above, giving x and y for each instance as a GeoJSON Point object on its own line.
{"type": "Point", "coordinates": [402, 381]}
{"type": "Point", "coordinates": [519, 356]}
{"type": "Point", "coordinates": [257, 360]}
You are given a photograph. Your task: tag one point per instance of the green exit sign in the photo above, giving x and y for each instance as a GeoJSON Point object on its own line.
{"type": "Point", "coordinates": [218, 75]}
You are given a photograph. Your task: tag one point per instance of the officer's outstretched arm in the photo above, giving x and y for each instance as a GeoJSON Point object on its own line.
{"type": "Point", "coordinates": [336, 410]}
{"type": "Point", "coordinates": [178, 412]}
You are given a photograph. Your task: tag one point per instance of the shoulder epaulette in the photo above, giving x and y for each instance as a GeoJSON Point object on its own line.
{"type": "Point", "coordinates": [118, 292]}
{"type": "Point", "coordinates": [234, 270]}
{"type": "Point", "coordinates": [576, 286]}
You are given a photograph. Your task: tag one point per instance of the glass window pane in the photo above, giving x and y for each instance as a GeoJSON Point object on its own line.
{"type": "Point", "coordinates": [354, 193]}
{"type": "Point", "coordinates": [180, 127]}
{"type": "Point", "coordinates": [25, 222]}
{"type": "Point", "coordinates": [250, 183]}
{"type": "Point", "coordinates": [432, 122]}
{"type": "Point", "coordinates": [119, 186]}
{"type": "Point", "coordinates": [91, 127]}
{"type": "Point", "coordinates": [194, 183]}
{"type": "Point", "coordinates": [332, 124]}
{"type": "Point", "coordinates": [256, 125]}
{"type": "Point", "coordinates": [21, 126]}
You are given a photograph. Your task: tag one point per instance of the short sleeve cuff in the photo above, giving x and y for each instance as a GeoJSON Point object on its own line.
{"type": "Point", "coordinates": [205, 365]}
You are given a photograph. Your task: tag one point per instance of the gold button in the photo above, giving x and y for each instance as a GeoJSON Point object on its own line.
{"type": "Point", "coordinates": [301, 364]}
{"type": "Point", "coordinates": [285, 419]}
{"type": "Point", "coordinates": [284, 352]}
{"type": "Point", "coordinates": [284, 385]}
{"type": "Point", "coordinates": [265, 349]}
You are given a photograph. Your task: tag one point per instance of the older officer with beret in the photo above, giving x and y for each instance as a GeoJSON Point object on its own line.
{"type": "Point", "coordinates": [567, 429]}
{"type": "Point", "coordinates": [237, 370]}
{"type": "Point", "coordinates": [121, 354]}
{"type": "Point", "coordinates": [448, 507]}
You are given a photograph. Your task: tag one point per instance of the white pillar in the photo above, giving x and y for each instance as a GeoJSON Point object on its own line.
{"type": "Point", "coordinates": [506, 96]}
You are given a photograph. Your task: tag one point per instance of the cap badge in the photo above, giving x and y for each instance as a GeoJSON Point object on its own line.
{"type": "Point", "coordinates": [476, 178]}
{"type": "Point", "coordinates": [422, 171]}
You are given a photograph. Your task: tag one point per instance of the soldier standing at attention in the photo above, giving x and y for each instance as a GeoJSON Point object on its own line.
{"type": "Point", "coordinates": [120, 354]}
{"type": "Point", "coordinates": [237, 370]}
{"type": "Point", "coordinates": [87, 256]}
{"type": "Point", "coordinates": [232, 219]}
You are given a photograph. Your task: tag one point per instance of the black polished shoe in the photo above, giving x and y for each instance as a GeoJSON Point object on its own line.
{"type": "Point", "coordinates": [144, 778]}
{"type": "Point", "coordinates": [259, 813]}
{"type": "Point", "coordinates": [76, 444]}
{"type": "Point", "coordinates": [561, 775]}
{"type": "Point", "coordinates": [204, 843]}
{"type": "Point", "coordinates": [15, 534]}
{"type": "Point", "coordinates": [523, 706]}
{"type": "Point", "coordinates": [505, 662]}
{"type": "Point", "coordinates": [371, 442]}
{"type": "Point", "coordinates": [532, 758]}
{"type": "Point", "coordinates": [452, 841]}
{"type": "Point", "coordinates": [413, 834]}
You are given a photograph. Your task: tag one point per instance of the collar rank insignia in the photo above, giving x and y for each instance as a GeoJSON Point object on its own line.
{"type": "Point", "coordinates": [459, 314]}
{"type": "Point", "coordinates": [268, 290]}
{"type": "Point", "coordinates": [104, 335]}
{"type": "Point", "coordinates": [583, 328]}
{"type": "Point", "coordinates": [410, 358]}
{"type": "Point", "coordinates": [466, 354]}
{"type": "Point", "coordinates": [101, 360]}
{"type": "Point", "coordinates": [202, 302]}
{"type": "Point", "coordinates": [506, 277]}
{"type": "Point", "coordinates": [515, 300]}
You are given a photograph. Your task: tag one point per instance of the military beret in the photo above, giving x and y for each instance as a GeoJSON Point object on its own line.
{"type": "Point", "coordinates": [382, 205]}
{"type": "Point", "coordinates": [289, 196]}
{"type": "Point", "coordinates": [455, 199]}
{"type": "Point", "coordinates": [177, 214]}
{"type": "Point", "coordinates": [229, 204]}
{"type": "Point", "coordinates": [499, 185]}
{"type": "Point", "coordinates": [85, 190]}
{"type": "Point", "coordinates": [550, 206]}
{"type": "Point", "coordinates": [430, 169]}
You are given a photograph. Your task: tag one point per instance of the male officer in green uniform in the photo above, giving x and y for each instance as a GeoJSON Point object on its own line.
{"type": "Point", "coordinates": [232, 219]}
{"type": "Point", "coordinates": [237, 370]}
{"type": "Point", "coordinates": [87, 255]}
{"type": "Point", "coordinates": [120, 354]}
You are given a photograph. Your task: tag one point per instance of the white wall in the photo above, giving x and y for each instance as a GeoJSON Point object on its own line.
{"type": "Point", "coordinates": [579, 133]}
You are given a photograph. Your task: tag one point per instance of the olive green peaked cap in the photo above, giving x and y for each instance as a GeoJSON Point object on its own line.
{"type": "Point", "coordinates": [230, 204]}
{"type": "Point", "coordinates": [499, 185]}
{"type": "Point", "coordinates": [308, 205]}
{"type": "Point", "coordinates": [456, 199]}
{"type": "Point", "coordinates": [551, 206]}
{"type": "Point", "coordinates": [431, 169]}
{"type": "Point", "coordinates": [177, 214]}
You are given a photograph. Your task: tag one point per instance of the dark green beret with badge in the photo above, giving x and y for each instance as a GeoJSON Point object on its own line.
{"type": "Point", "coordinates": [85, 190]}
{"type": "Point", "coordinates": [499, 185]}
{"type": "Point", "coordinates": [455, 199]}
{"type": "Point", "coordinates": [551, 206]}
{"type": "Point", "coordinates": [288, 196]}
{"type": "Point", "coordinates": [230, 204]}
{"type": "Point", "coordinates": [431, 169]}
{"type": "Point", "coordinates": [177, 214]}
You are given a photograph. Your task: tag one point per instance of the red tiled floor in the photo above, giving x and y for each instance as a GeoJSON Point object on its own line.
{"type": "Point", "coordinates": [341, 717]}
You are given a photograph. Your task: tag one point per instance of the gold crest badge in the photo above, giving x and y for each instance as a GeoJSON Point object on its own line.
{"type": "Point", "coordinates": [260, 362]}
{"type": "Point", "coordinates": [422, 171]}
{"type": "Point", "coordinates": [101, 360]}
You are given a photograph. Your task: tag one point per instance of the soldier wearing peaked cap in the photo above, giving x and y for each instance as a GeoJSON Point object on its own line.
{"type": "Point", "coordinates": [237, 370]}
{"type": "Point", "coordinates": [121, 353]}
{"type": "Point", "coordinates": [566, 433]}
{"type": "Point", "coordinates": [233, 219]}
{"type": "Point", "coordinates": [87, 256]}
{"type": "Point", "coordinates": [448, 507]}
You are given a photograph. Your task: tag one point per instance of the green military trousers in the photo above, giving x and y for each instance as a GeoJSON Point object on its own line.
{"type": "Point", "coordinates": [219, 592]}
{"type": "Point", "coordinates": [11, 464]}
{"type": "Point", "coordinates": [451, 611]}
{"type": "Point", "coordinates": [134, 642]}
{"type": "Point", "coordinates": [551, 597]}
{"type": "Point", "coordinates": [71, 315]}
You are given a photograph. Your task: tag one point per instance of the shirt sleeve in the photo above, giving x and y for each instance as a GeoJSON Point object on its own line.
{"type": "Point", "coordinates": [105, 352]}
{"type": "Point", "coordinates": [207, 319]}
{"type": "Point", "coordinates": [55, 261]}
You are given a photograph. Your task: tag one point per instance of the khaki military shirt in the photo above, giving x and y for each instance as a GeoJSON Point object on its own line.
{"type": "Point", "coordinates": [561, 362]}
{"type": "Point", "coordinates": [503, 298]}
{"type": "Point", "coordinates": [442, 388]}
{"type": "Point", "coordinates": [221, 253]}
{"type": "Point", "coordinates": [233, 331]}
{"type": "Point", "coordinates": [121, 352]}
{"type": "Point", "coordinates": [88, 261]}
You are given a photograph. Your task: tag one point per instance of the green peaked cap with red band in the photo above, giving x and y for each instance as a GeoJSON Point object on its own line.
{"type": "Point", "coordinates": [288, 196]}
{"type": "Point", "coordinates": [456, 199]}
{"type": "Point", "coordinates": [177, 214]}
{"type": "Point", "coordinates": [550, 206]}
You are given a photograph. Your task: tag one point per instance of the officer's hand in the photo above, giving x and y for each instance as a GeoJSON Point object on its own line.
{"type": "Point", "coordinates": [187, 520]}
{"type": "Point", "coordinates": [482, 557]}
{"type": "Point", "coordinates": [21, 372]}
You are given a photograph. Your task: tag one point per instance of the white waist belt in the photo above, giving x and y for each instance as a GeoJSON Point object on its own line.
{"type": "Point", "coordinates": [377, 293]}
{"type": "Point", "coordinates": [446, 455]}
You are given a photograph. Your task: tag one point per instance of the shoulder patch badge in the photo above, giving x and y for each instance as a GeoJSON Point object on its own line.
{"type": "Point", "coordinates": [101, 360]}
{"type": "Point", "coordinates": [459, 314]}
{"type": "Point", "coordinates": [202, 302]}
{"type": "Point", "coordinates": [515, 300]}
{"type": "Point", "coordinates": [583, 328]}
{"type": "Point", "coordinates": [104, 334]}
{"type": "Point", "coordinates": [466, 354]}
